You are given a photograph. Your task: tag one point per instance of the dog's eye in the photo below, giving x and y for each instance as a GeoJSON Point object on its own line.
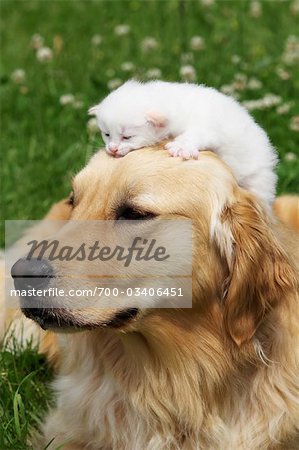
{"type": "Point", "coordinates": [132, 214]}
{"type": "Point", "coordinates": [107, 134]}
{"type": "Point", "coordinates": [71, 199]}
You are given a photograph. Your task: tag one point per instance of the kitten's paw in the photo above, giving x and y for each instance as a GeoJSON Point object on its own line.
{"type": "Point", "coordinates": [185, 149]}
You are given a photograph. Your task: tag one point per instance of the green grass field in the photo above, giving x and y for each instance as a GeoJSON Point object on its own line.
{"type": "Point", "coordinates": [248, 49]}
{"type": "Point", "coordinates": [24, 394]}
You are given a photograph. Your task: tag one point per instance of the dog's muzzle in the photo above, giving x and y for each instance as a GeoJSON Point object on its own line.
{"type": "Point", "coordinates": [36, 274]}
{"type": "Point", "coordinates": [31, 274]}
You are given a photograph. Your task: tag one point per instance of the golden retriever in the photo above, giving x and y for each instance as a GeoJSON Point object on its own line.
{"type": "Point", "coordinates": [220, 375]}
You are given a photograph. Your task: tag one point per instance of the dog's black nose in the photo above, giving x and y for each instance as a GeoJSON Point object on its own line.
{"type": "Point", "coordinates": [31, 273]}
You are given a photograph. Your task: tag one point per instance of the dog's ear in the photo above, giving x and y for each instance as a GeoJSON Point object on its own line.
{"type": "Point", "coordinates": [156, 119]}
{"type": "Point", "coordinates": [260, 274]}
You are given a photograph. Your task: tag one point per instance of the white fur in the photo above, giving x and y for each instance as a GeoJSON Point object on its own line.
{"type": "Point", "coordinates": [199, 118]}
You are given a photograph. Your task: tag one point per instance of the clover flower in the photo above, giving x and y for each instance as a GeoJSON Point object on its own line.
{"type": "Point", "coordinates": [153, 73]}
{"type": "Point", "coordinates": [122, 29]}
{"type": "Point", "coordinates": [148, 44]}
{"type": "Point", "coordinates": [197, 43]}
{"type": "Point", "coordinates": [284, 108]}
{"type": "Point", "coordinates": [18, 76]}
{"type": "Point", "coordinates": [96, 40]}
{"type": "Point", "coordinates": [187, 58]}
{"type": "Point", "coordinates": [188, 73]}
{"type": "Point", "coordinates": [255, 9]}
{"type": "Point", "coordinates": [254, 84]}
{"type": "Point", "coordinates": [294, 8]}
{"type": "Point", "coordinates": [228, 89]}
{"type": "Point", "coordinates": [127, 66]}
{"type": "Point", "coordinates": [235, 59]}
{"type": "Point", "coordinates": [37, 41]}
{"type": "Point", "coordinates": [294, 123]}
{"type": "Point", "coordinates": [114, 83]}
{"type": "Point", "coordinates": [282, 73]}
{"type": "Point", "coordinates": [207, 2]}
{"type": "Point", "coordinates": [290, 156]}
{"type": "Point", "coordinates": [240, 81]}
{"type": "Point", "coordinates": [44, 54]}
{"type": "Point", "coordinates": [291, 51]}
{"type": "Point", "coordinates": [266, 102]}
{"type": "Point", "coordinates": [92, 126]}
{"type": "Point", "coordinates": [67, 99]}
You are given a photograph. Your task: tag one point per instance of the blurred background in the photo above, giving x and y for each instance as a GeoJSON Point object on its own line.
{"type": "Point", "coordinates": [60, 57]}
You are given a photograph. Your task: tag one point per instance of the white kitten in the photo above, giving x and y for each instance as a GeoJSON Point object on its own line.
{"type": "Point", "coordinates": [140, 114]}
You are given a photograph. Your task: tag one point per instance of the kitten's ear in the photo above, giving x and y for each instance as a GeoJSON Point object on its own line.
{"type": "Point", "coordinates": [156, 119]}
{"type": "Point", "coordinates": [93, 110]}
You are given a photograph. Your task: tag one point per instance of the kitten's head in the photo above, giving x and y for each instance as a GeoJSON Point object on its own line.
{"type": "Point", "coordinates": [127, 121]}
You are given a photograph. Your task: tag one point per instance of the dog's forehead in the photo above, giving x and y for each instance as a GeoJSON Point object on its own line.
{"type": "Point", "coordinates": [151, 176]}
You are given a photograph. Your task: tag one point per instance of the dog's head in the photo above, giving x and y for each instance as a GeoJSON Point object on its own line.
{"type": "Point", "coordinates": [239, 266]}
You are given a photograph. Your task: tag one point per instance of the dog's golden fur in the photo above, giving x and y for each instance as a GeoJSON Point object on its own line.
{"type": "Point", "coordinates": [287, 208]}
{"type": "Point", "coordinates": [222, 375]}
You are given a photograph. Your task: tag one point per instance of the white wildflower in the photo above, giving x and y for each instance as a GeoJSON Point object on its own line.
{"type": "Point", "coordinates": [187, 58]}
{"type": "Point", "coordinates": [284, 108]}
{"type": "Point", "coordinates": [282, 73]}
{"type": "Point", "coordinates": [127, 66]}
{"type": "Point", "coordinates": [255, 9]}
{"type": "Point", "coordinates": [153, 73]}
{"type": "Point", "coordinates": [294, 7]}
{"type": "Point", "coordinates": [254, 84]}
{"type": "Point", "coordinates": [37, 41]}
{"type": "Point", "coordinates": [96, 40]}
{"type": "Point", "coordinates": [266, 102]}
{"type": "Point", "coordinates": [92, 126]}
{"type": "Point", "coordinates": [240, 81]}
{"type": "Point", "coordinates": [114, 83]}
{"type": "Point", "coordinates": [271, 100]}
{"type": "Point", "coordinates": [207, 2]}
{"type": "Point", "coordinates": [235, 59]}
{"type": "Point", "coordinates": [252, 104]}
{"type": "Point", "coordinates": [290, 156]}
{"type": "Point", "coordinates": [18, 76]}
{"type": "Point", "coordinates": [44, 54]}
{"type": "Point", "coordinates": [67, 99]}
{"type": "Point", "coordinates": [78, 104]}
{"type": "Point", "coordinates": [291, 51]}
{"type": "Point", "coordinates": [188, 73]}
{"type": "Point", "coordinates": [227, 89]}
{"type": "Point", "coordinates": [197, 43]}
{"type": "Point", "coordinates": [294, 123]}
{"type": "Point", "coordinates": [149, 43]}
{"type": "Point", "coordinates": [122, 29]}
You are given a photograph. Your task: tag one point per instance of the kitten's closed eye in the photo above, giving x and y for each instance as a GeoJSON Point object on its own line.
{"type": "Point", "coordinates": [127, 137]}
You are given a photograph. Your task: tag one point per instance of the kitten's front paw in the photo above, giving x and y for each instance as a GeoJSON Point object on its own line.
{"type": "Point", "coordinates": [185, 149]}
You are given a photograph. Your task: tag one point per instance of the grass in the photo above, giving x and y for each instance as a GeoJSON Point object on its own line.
{"type": "Point", "coordinates": [24, 393]}
{"type": "Point", "coordinates": [45, 142]}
